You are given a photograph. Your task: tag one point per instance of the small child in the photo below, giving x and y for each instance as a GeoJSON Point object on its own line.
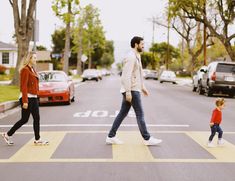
{"type": "Point", "coordinates": [215, 122]}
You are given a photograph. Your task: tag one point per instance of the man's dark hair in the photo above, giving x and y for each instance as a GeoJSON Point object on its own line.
{"type": "Point", "coordinates": [136, 39]}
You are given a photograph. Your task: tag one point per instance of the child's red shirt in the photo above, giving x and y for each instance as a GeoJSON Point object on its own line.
{"type": "Point", "coordinates": [216, 117]}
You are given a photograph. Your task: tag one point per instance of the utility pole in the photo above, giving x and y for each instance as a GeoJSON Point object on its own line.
{"type": "Point", "coordinates": [168, 37]}
{"type": "Point", "coordinates": [204, 34]}
{"type": "Point", "coordinates": [35, 29]}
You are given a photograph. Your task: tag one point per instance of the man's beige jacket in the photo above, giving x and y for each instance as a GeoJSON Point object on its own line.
{"type": "Point", "coordinates": [132, 75]}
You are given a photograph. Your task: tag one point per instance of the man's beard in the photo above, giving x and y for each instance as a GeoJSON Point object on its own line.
{"type": "Point", "coordinates": [139, 49]}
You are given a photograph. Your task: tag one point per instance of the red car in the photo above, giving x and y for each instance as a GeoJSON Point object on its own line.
{"type": "Point", "coordinates": [55, 86]}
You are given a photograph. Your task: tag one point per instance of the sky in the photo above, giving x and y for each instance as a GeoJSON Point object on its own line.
{"type": "Point", "coordinates": [121, 19]}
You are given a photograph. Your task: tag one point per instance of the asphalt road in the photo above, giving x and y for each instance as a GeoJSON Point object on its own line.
{"type": "Point", "coordinates": [77, 132]}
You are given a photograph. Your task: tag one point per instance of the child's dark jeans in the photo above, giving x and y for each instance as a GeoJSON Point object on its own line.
{"type": "Point", "coordinates": [215, 128]}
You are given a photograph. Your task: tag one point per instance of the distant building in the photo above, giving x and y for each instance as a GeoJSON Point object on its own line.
{"type": "Point", "coordinates": [8, 55]}
{"type": "Point", "coordinates": [44, 60]}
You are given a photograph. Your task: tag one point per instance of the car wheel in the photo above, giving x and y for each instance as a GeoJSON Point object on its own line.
{"type": "Point", "coordinates": [200, 89]}
{"type": "Point", "coordinates": [73, 99]}
{"type": "Point", "coordinates": [231, 94]}
{"type": "Point", "coordinates": [194, 88]}
{"type": "Point", "coordinates": [174, 82]}
{"type": "Point", "coordinates": [209, 92]}
{"type": "Point", "coordinates": [161, 82]}
{"type": "Point", "coordinates": [69, 101]}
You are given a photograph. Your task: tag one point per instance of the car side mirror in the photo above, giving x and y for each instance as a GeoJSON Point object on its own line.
{"type": "Point", "coordinates": [202, 70]}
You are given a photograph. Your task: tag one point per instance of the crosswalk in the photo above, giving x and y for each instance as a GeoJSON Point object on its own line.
{"type": "Point", "coordinates": [89, 146]}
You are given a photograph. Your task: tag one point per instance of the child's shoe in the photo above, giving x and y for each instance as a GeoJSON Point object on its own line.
{"type": "Point", "coordinates": [210, 144]}
{"type": "Point", "coordinates": [220, 142]}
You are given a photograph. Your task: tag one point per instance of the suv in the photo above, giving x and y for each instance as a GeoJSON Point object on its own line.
{"type": "Point", "coordinates": [197, 78]}
{"type": "Point", "coordinates": [218, 78]}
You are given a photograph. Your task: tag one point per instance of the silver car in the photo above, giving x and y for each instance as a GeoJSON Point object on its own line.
{"type": "Point", "coordinates": [167, 76]}
{"type": "Point", "coordinates": [197, 78]}
{"type": "Point", "coordinates": [219, 78]}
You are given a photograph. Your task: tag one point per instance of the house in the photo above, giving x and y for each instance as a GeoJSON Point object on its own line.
{"type": "Point", "coordinates": [8, 55]}
{"type": "Point", "coordinates": [44, 60]}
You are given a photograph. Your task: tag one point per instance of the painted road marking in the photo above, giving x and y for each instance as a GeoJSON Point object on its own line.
{"type": "Point", "coordinates": [99, 125]}
{"type": "Point", "coordinates": [32, 153]}
{"type": "Point", "coordinates": [100, 114]}
{"type": "Point", "coordinates": [133, 150]}
{"type": "Point", "coordinates": [226, 154]}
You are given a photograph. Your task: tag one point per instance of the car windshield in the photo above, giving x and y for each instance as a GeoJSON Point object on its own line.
{"type": "Point", "coordinates": [168, 73]}
{"type": "Point", "coordinates": [228, 68]}
{"type": "Point", "coordinates": [52, 77]}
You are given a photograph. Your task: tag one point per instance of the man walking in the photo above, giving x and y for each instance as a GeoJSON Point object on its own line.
{"type": "Point", "coordinates": [131, 87]}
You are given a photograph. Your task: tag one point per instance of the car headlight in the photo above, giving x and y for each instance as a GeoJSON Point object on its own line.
{"type": "Point", "coordinates": [60, 90]}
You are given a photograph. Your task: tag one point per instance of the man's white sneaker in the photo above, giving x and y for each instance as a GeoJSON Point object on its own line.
{"type": "Point", "coordinates": [210, 145]}
{"type": "Point", "coordinates": [7, 139]}
{"type": "Point", "coordinates": [220, 142]}
{"type": "Point", "coordinates": [113, 140]}
{"type": "Point", "coordinates": [152, 141]}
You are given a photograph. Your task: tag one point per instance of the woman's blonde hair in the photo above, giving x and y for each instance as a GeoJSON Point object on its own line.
{"type": "Point", "coordinates": [26, 59]}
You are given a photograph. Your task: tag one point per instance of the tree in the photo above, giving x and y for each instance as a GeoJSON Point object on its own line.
{"type": "Point", "coordinates": [89, 34]}
{"type": "Point", "coordinates": [187, 29]}
{"type": "Point", "coordinates": [162, 48]}
{"type": "Point", "coordinates": [217, 15]}
{"type": "Point", "coordinates": [149, 60]}
{"type": "Point", "coordinates": [23, 24]}
{"type": "Point", "coordinates": [66, 10]}
{"type": "Point", "coordinates": [107, 58]}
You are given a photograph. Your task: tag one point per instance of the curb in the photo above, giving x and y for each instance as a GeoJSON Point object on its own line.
{"type": "Point", "coordinates": [8, 105]}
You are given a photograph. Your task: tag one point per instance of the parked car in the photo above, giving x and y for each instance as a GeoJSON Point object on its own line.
{"type": "Point", "coordinates": [218, 78]}
{"type": "Point", "coordinates": [150, 74]}
{"type": "Point", "coordinates": [167, 76]}
{"type": "Point", "coordinates": [90, 74]}
{"type": "Point", "coordinates": [197, 78]}
{"type": "Point", "coordinates": [55, 86]}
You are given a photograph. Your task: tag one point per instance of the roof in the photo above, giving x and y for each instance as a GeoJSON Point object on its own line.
{"type": "Point", "coordinates": [7, 46]}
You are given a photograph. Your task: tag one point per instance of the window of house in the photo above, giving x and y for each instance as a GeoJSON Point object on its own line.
{"type": "Point", "coordinates": [5, 58]}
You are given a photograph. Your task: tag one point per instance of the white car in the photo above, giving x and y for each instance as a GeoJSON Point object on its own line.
{"type": "Point", "coordinates": [167, 76]}
{"type": "Point", "coordinates": [197, 78]}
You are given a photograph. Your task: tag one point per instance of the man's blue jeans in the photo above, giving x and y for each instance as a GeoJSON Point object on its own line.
{"type": "Point", "coordinates": [137, 105]}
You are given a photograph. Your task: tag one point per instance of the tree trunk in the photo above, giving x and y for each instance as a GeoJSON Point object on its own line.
{"type": "Point", "coordinates": [22, 50]}
{"type": "Point", "coordinates": [67, 49]}
{"type": "Point", "coordinates": [79, 53]}
{"type": "Point", "coordinates": [89, 56]}
{"type": "Point", "coordinates": [23, 25]}
{"type": "Point", "coordinates": [230, 50]}
{"type": "Point", "coordinates": [79, 62]}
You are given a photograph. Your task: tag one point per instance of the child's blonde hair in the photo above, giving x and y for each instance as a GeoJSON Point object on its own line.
{"type": "Point", "coordinates": [219, 102]}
